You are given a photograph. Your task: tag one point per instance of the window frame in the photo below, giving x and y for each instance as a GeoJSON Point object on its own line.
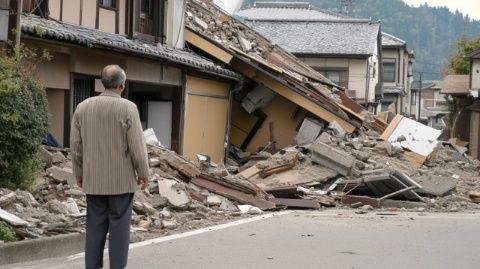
{"type": "Point", "coordinates": [346, 74]}
{"type": "Point", "coordinates": [389, 61]}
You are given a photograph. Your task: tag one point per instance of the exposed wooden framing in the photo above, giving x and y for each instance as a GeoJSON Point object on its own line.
{"type": "Point", "coordinates": [391, 127]}
{"type": "Point", "coordinates": [254, 73]}
{"type": "Point", "coordinates": [303, 101]}
{"type": "Point", "coordinates": [207, 46]}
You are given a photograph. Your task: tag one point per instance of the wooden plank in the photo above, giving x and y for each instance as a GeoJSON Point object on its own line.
{"type": "Point", "coordinates": [235, 195]}
{"type": "Point", "coordinates": [184, 167]}
{"type": "Point", "coordinates": [415, 159]}
{"type": "Point", "coordinates": [249, 172]}
{"type": "Point", "coordinates": [391, 127]}
{"type": "Point", "coordinates": [297, 203]}
{"type": "Point", "coordinates": [205, 45]}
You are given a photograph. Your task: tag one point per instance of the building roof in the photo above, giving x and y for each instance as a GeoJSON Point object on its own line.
{"type": "Point", "coordinates": [426, 84]}
{"type": "Point", "coordinates": [91, 38]}
{"type": "Point", "coordinates": [389, 40]}
{"type": "Point", "coordinates": [326, 38]}
{"type": "Point", "coordinates": [474, 54]}
{"type": "Point", "coordinates": [290, 11]}
{"type": "Point", "coordinates": [303, 29]}
{"type": "Point", "coordinates": [456, 85]}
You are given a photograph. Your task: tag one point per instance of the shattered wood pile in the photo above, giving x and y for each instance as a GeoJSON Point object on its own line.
{"type": "Point", "coordinates": [230, 41]}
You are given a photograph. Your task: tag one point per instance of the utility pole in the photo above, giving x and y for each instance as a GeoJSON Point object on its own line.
{"type": "Point", "coordinates": [419, 97]}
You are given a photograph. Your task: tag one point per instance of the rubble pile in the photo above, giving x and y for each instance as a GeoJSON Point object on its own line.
{"type": "Point", "coordinates": [170, 203]}
{"type": "Point", "coordinates": [327, 169]}
{"type": "Point", "coordinates": [364, 169]}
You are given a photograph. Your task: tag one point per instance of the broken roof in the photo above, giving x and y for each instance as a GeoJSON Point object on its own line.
{"type": "Point", "coordinates": [230, 41]}
{"type": "Point", "coordinates": [326, 38]}
{"type": "Point", "coordinates": [51, 29]}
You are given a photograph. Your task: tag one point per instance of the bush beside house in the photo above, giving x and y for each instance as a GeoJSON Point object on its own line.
{"type": "Point", "coordinates": [23, 119]}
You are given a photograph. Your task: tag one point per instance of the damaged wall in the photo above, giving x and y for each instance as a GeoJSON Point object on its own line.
{"type": "Point", "coordinates": [280, 111]}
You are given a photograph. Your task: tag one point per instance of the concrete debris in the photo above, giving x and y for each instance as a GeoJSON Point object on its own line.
{"type": "Point", "coordinates": [245, 44]}
{"type": "Point", "coordinates": [61, 175]}
{"type": "Point", "coordinates": [252, 210]}
{"type": "Point", "coordinates": [168, 224]}
{"type": "Point", "coordinates": [337, 129]}
{"type": "Point", "coordinates": [174, 192]}
{"type": "Point", "coordinates": [58, 157]}
{"type": "Point", "coordinates": [332, 158]}
{"type": "Point", "coordinates": [309, 131]}
{"type": "Point", "coordinates": [200, 23]}
{"type": "Point", "coordinates": [12, 219]}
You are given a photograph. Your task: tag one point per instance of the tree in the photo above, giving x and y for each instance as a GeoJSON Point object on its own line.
{"type": "Point", "coordinates": [459, 63]}
{"type": "Point", "coordinates": [23, 118]}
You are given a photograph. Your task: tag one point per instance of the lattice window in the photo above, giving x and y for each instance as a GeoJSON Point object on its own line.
{"type": "Point", "coordinates": [83, 88]}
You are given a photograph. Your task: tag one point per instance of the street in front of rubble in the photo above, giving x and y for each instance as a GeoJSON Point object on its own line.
{"type": "Point", "coordinates": [313, 239]}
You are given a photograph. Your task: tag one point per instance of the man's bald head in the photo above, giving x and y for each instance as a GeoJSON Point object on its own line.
{"type": "Point", "coordinates": [113, 77]}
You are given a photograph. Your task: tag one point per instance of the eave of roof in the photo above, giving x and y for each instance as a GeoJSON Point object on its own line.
{"type": "Point", "coordinates": [91, 38]}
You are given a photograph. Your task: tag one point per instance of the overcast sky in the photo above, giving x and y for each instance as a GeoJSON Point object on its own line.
{"type": "Point", "coordinates": [470, 7]}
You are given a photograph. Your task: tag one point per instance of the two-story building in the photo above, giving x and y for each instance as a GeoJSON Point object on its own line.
{"type": "Point", "coordinates": [184, 97]}
{"type": "Point", "coordinates": [345, 50]}
{"type": "Point", "coordinates": [397, 76]}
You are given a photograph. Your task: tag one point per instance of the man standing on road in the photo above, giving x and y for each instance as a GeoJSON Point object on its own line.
{"type": "Point", "coordinates": [108, 148]}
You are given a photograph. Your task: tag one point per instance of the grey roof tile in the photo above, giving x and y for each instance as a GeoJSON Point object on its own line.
{"type": "Point", "coordinates": [393, 41]}
{"type": "Point", "coordinates": [314, 37]}
{"type": "Point", "coordinates": [290, 14]}
{"type": "Point", "coordinates": [44, 28]}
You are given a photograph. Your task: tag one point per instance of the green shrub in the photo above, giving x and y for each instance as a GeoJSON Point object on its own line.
{"type": "Point", "coordinates": [23, 119]}
{"type": "Point", "coordinates": [7, 234]}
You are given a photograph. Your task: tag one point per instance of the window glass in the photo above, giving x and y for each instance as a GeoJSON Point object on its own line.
{"type": "Point", "coordinates": [389, 71]}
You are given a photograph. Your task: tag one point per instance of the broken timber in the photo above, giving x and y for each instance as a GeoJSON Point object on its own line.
{"type": "Point", "coordinates": [297, 203]}
{"type": "Point", "coordinates": [184, 167]}
{"type": "Point", "coordinates": [244, 65]}
{"type": "Point", "coordinates": [233, 194]}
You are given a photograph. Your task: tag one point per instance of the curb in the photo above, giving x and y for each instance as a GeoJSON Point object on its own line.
{"type": "Point", "coordinates": [43, 248]}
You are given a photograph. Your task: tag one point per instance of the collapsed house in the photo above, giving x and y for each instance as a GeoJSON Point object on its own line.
{"type": "Point", "coordinates": [280, 90]}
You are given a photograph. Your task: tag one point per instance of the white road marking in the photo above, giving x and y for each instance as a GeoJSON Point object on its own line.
{"type": "Point", "coordinates": [191, 233]}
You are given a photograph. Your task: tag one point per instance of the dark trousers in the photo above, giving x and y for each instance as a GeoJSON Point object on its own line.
{"type": "Point", "coordinates": [112, 214]}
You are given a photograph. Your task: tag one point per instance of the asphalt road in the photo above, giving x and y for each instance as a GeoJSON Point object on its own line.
{"type": "Point", "coordinates": [328, 239]}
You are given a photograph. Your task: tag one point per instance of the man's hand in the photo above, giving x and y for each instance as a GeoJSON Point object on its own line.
{"type": "Point", "coordinates": [142, 183]}
{"type": "Point", "coordinates": [80, 182]}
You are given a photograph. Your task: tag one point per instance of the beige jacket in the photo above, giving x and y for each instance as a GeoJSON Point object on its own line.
{"type": "Point", "coordinates": [107, 145]}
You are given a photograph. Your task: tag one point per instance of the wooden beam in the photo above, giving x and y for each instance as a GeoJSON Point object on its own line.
{"type": "Point", "coordinates": [391, 127]}
{"type": "Point", "coordinates": [302, 101]}
{"type": "Point", "coordinates": [207, 46]}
